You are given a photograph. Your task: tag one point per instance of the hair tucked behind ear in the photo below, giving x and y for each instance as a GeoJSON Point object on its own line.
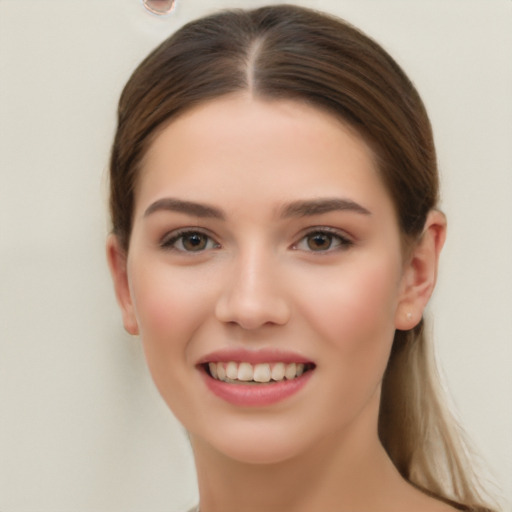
{"type": "Point", "coordinates": [290, 52]}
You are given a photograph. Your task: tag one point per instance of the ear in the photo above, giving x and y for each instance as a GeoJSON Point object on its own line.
{"type": "Point", "coordinates": [420, 272]}
{"type": "Point", "coordinates": [117, 258]}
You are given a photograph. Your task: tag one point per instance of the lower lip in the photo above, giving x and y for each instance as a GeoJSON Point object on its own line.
{"type": "Point", "coordinates": [256, 395]}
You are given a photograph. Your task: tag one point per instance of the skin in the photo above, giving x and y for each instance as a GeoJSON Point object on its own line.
{"type": "Point", "coordinates": [261, 282]}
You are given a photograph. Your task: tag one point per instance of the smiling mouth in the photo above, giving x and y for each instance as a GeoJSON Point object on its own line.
{"type": "Point", "coordinates": [261, 373]}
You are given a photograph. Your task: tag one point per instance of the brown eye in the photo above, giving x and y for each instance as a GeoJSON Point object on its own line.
{"type": "Point", "coordinates": [189, 241]}
{"type": "Point", "coordinates": [323, 240]}
{"type": "Point", "coordinates": [319, 241]}
{"type": "Point", "coordinates": [194, 241]}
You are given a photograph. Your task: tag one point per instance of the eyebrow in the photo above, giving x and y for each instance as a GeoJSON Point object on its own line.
{"type": "Point", "coordinates": [321, 206]}
{"type": "Point", "coordinates": [294, 209]}
{"type": "Point", "coordinates": [187, 207]}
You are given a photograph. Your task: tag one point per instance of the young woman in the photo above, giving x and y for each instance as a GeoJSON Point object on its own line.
{"type": "Point", "coordinates": [275, 242]}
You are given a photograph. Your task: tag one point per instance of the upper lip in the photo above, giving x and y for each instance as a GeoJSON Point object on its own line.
{"type": "Point", "coordinates": [264, 355]}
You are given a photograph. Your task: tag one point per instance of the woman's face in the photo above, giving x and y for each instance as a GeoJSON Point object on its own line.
{"type": "Point", "coordinates": [263, 244]}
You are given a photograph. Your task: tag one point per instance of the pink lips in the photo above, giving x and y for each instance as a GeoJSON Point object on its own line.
{"type": "Point", "coordinates": [253, 356]}
{"type": "Point", "coordinates": [254, 395]}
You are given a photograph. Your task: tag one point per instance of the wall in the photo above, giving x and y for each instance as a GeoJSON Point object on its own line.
{"type": "Point", "coordinates": [81, 426]}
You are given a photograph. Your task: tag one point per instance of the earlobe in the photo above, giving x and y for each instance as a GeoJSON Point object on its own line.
{"type": "Point", "coordinates": [117, 262]}
{"type": "Point", "coordinates": [420, 272]}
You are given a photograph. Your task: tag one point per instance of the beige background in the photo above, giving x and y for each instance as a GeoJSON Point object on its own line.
{"type": "Point", "coordinates": [81, 426]}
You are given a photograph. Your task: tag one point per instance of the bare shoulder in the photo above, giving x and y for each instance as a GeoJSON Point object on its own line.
{"type": "Point", "coordinates": [406, 496]}
{"type": "Point", "coordinates": [439, 506]}
{"type": "Point", "coordinates": [421, 502]}
{"type": "Point", "coordinates": [429, 504]}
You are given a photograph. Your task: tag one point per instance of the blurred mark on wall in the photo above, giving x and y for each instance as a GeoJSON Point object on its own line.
{"type": "Point", "coordinates": [159, 7]}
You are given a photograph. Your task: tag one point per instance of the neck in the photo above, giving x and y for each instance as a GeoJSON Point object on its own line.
{"type": "Point", "coordinates": [344, 471]}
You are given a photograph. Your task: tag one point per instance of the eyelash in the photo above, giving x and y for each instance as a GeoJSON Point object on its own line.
{"type": "Point", "coordinates": [343, 242]}
{"type": "Point", "coordinates": [173, 241]}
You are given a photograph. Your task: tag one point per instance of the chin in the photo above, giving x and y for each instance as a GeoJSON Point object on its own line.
{"type": "Point", "coordinates": [270, 454]}
{"type": "Point", "coordinates": [257, 454]}
{"type": "Point", "coordinates": [254, 442]}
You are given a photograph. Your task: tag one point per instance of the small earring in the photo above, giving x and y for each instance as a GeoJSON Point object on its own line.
{"type": "Point", "coordinates": [409, 315]}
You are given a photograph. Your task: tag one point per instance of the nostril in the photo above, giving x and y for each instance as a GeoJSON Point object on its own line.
{"type": "Point", "coordinates": [159, 7]}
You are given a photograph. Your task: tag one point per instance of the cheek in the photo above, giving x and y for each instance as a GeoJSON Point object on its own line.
{"type": "Point", "coordinates": [355, 309]}
{"type": "Point", "coordinates": [352, 320]}
{"type": "Point", "coordinates": [170, 306]}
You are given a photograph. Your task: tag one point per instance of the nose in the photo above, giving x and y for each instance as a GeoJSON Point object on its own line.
{"type": "Point", "coordinates": [254, 294]}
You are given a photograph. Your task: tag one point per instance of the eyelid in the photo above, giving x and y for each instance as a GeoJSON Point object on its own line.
{"type": "Point", "coordinates": [170, 238]}
{"type": "Point", "coordinates": [346, 241]}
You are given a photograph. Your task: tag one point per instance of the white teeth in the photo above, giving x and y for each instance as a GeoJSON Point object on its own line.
{"type": "Point", "coordinates": [291, 371]}
{"type": "Point", "coordinates": [245, 372]}
{"type": "Point", "coordinates": [221, 371]}
{"type": "Point", "coordinates": [232, 370]}
{"type": "Point", "coordinates": [278, 371]}
{"type": "Point", "coordinates": [262, 372]}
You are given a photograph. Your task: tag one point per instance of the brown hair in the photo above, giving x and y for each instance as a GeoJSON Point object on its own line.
{"type": "Point", "coordinates": [295, 53]}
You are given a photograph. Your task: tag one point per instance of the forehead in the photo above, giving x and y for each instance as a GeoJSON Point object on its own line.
{"type": "Point", "coordinates": [239, 146]}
